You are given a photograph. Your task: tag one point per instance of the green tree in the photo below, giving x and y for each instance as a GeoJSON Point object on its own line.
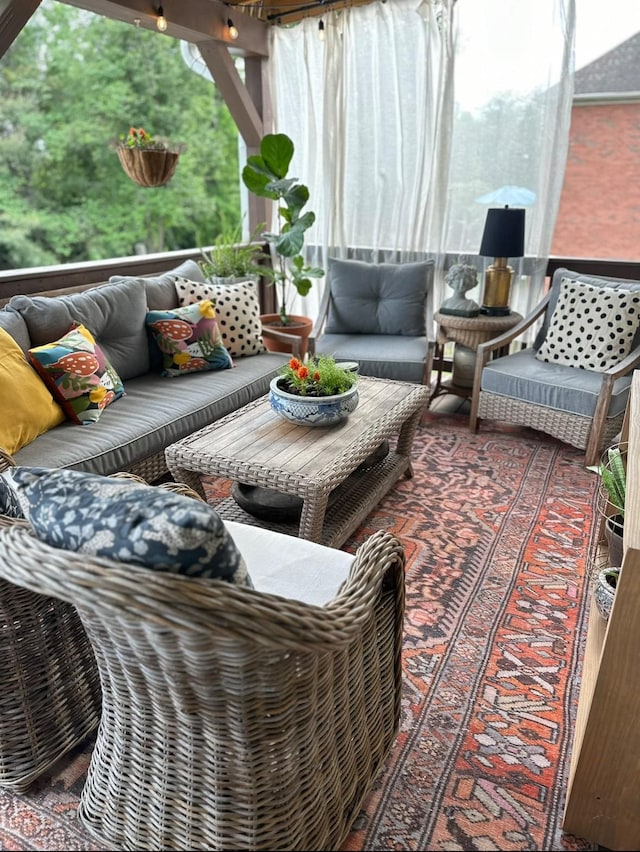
{"type": "Point", "coordinates": [71, 84]}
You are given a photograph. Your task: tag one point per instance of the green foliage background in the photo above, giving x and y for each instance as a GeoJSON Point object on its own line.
{"type": "Point", "coordinates": [71, 84]}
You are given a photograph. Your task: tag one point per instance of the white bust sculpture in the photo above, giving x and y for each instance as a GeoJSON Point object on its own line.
{"type": "Point", "coordinates": [461, 277]}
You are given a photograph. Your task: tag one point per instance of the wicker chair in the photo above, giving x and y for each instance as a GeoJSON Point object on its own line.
{"type": "Point", "coordinates": [50, 695]}
{"type": "Point", "coordinates": [581, 407]}
{"type": "Point", "coordinates": [49, 684]}
{"type": "Point", "coordinates": [378, 315]}
{"type": "Point", "coordinates": [232, 718]}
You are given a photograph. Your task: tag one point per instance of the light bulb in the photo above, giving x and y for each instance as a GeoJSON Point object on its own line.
{"type": "Point", "coordinates": [233, 32]}
{"type": "Point", "coordinates": [161, 21]}
{"type": "Point", "coordinates": [321, 32]}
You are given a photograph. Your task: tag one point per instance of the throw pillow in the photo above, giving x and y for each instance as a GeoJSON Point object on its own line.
{"type": "Point", "coordinates": [189, 339]}
{"type": "Point", "coordinates": [378, 298]}
{"type": "Point", "coordinates": [10, 505]}
{"type": "Point", "coordinates": [32, 410]}
{"type": "Point", "coordinates": [237, 311]}
{"type": "Point", "coordinates": [128, 522]}
{"type": "Point", "coordinates": [591, 327]}
{"type": "Point", "coordinates": [78, 375]}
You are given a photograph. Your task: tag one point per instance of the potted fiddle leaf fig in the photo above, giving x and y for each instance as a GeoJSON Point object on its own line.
{"type": "Point", "coordinates": [267, 175]}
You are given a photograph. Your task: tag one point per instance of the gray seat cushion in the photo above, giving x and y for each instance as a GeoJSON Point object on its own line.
{"type": "Point", "coordinates": [155, 412]}
{"type": "Point", "coordinates": [392, 357]}
{"type": "Point", "coordinates": [378, 298]}
{"type": "Point", "coordinates": [522, 376]}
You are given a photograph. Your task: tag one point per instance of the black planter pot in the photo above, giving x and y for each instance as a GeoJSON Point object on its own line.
{"type": "Point", "coordinates": [613, 530]}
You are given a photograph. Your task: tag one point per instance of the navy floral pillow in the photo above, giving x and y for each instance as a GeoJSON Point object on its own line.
{"type": "Point", "coordinates": [128, 522]}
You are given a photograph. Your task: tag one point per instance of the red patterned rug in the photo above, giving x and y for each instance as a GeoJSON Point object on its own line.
{"type": "Point", "coordinates": [496, 528]}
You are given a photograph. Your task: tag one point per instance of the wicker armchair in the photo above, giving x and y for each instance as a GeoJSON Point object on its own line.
{"type": "Point", "coordinates": [50, 694]}
{"type": "Point", "coordinates": [232, 718]}
{"type": "Point", "coordinates": [581, 407]}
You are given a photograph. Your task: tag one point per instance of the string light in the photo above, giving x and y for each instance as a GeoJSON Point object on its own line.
{"type": "Point", "coordinates": [161, 21]}
{"type": "Point", "coordinates": [233, 32]}
{"type": "Point", "coordinates": [321, 32]}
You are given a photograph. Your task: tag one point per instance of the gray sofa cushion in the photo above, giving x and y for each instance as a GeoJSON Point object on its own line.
{"type": "Point", "coordinates": [394, 357]}
{"type": "Point", "coordinates": [113, 313]}
{"type": "Point", "coordinates": [154, 413]}
{"type": "Point", "coordinates": [160, 289]}
{"type": "Point", "coordinates": [521, 376]}
{"type": "Point", "coordinates": [378, 298]}
{"type": "Point", "coordinates": [13, 323]}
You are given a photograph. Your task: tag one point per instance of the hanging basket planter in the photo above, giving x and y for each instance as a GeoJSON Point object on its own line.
{"type": "Point", "coordinates": [148, 167]}
{"type": "Point", "coordinates": [148, 161]}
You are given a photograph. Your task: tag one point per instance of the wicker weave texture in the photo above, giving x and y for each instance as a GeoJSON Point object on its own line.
{"type": "Point", "coordinates": [232, 719]}
{"type": "Point", "coordinates": [50, 695]}
{"type": "Point", "coordinates": [570, 428]}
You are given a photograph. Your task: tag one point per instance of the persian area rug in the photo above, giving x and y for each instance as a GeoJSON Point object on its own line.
{"type": "Point", "coordinates": [497, 529]}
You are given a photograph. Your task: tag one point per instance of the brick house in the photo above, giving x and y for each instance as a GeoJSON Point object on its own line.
{"type": "Point", "coordinates": [599, 214]}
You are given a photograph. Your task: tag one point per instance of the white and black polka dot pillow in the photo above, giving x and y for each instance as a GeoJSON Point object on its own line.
{"type": "Point", "coordinates": [237, 311]}
{"type": "Point", "coordinates": [591, 327]}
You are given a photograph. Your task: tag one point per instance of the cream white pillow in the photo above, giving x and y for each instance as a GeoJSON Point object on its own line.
{"type": "Point", "coordinates": [237, 311]}
{"type": "Point", "coordinates": [591, 327]}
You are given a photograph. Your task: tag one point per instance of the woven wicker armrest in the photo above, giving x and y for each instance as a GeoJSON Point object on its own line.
{"type": "Point", "coordinates": [6, 460]}
{"type": "Point", "coordinates": [215, 693]}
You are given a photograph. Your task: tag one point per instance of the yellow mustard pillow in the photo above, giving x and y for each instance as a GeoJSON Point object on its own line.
{"type": "Point", "coordinates": [27, 408]}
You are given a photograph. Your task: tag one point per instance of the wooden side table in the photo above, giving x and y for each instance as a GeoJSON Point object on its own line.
{"type": "Point", "coordinates": [469, 332]}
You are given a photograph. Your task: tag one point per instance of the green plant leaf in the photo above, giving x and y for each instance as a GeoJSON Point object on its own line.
{"type": "Point", "coordinates": [277, 150]}
{"type": "Point", "coordinates": [290, 242]}
{"type": "Point", "coordinates": [257, 183]}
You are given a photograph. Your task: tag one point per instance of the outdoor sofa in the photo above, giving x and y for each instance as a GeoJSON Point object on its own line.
{"type": "Point", "coordinates": [131, 433]}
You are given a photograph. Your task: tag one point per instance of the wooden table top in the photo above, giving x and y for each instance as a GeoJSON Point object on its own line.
{"type": "Point", "coordinates": [256, 446]}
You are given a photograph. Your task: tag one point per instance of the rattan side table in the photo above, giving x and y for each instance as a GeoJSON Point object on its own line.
{"type": "Point", "coordinates": [468, 332]}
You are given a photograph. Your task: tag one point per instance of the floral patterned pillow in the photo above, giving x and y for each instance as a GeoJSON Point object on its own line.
{"type": "Point", "coordinates": [189, 339]}
{"type": "Point", "coordinates": [78, 374]}
{"type": "Point", "coordinates": [128, 522]}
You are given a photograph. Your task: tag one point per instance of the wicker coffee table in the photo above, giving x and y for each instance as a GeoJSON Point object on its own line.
{"type": "Point", "coordinates": [257, 447]}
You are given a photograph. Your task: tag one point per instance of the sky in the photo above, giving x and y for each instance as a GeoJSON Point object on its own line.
{"type": "Point", "coordinates": [489, 59]}
{"type": "Point", "coordinates": [602, 25]}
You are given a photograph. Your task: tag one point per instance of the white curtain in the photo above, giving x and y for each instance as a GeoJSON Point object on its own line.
{"type": "Point", "coordinates": [392, 144]}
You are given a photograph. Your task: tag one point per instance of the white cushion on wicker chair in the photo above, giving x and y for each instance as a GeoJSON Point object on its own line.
{"type": "Point", "coordinates": [290, 567]}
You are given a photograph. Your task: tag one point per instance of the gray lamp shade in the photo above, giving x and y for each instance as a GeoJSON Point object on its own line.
{"type": "Point", "coordinates": [503, 233]}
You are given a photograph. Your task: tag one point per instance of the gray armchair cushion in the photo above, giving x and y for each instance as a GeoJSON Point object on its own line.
{"type": "Point", "coordinates": [522, 376]}
{"type": "Point", "coordinates": [378, 298]}
{"type": "Point", "coordinates": [394, 357]}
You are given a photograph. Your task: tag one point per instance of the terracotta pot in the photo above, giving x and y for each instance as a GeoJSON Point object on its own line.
{"type": "Point", "coordinates": [300, 326]}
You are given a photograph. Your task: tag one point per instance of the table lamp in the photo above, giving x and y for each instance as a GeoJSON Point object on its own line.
{"type": "Point", "coordinates": [503, 238]}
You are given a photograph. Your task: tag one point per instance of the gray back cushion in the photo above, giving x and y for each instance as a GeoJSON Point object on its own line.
{"type": "Point", "coordinates": [113, 313]}
{"type": "Point", "coordinates": [12, 322]}
{"type": "Point", "coordinates": [595, 281]}
{"type": "Point", "coordinates": [160, 289]}
{"type": "Point", "coordinates": [378, 298]}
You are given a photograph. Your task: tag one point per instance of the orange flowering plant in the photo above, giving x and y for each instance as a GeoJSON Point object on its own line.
{"type": "Point", "coordinates": [138, 137]}
{"type": "Point", "coordinates": [319, 376]}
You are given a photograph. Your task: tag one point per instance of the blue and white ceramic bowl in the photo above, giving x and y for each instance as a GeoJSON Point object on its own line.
{"type": "Point", "coordinates": [312, 410]}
